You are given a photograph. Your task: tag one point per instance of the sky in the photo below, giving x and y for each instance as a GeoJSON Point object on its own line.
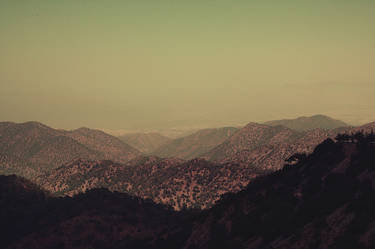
{"type": "Point", "coordinates": [147, 64]}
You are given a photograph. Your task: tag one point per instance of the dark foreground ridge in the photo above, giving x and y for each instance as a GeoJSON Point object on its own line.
{"type": "Point", "coordinates": [97, 219]}
{"type": "Point", "coordinates": [323, 200]}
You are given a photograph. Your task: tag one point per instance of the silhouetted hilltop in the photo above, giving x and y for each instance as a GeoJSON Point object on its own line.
{"type": "Point", "coordinates": [309, 123]}
{"type": "Point", "coordinates": [96, 219]}
{"type": "Point", "coordinates": [20, 202]}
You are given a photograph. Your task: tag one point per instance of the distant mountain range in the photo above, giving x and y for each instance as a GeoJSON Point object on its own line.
{"type": "Point", "coordinates": [203, 142]}
{"type": "Point", "coordinates": [145, 142]}
{"type": "Point", "coordinates": [266, 147]}
{"type": "Point", "coordinates": [309, 123]}
{"type": "Point", "coordinates": [196, 144]}
{"type": "Point", "coordinates": [31, 148]}
{"type": "Point", "coordinates": [323, 200]}
{"type": "Point", "coordinates": [71, 162]}
{"type": "Point", "coordinates": [252, 151]}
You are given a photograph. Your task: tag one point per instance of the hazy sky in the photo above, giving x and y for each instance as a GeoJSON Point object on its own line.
{"type": "Point", "coordinates": [153, 63]}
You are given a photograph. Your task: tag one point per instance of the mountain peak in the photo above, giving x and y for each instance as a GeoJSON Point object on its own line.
{"type": "Point", "coordinates": [303, 123]}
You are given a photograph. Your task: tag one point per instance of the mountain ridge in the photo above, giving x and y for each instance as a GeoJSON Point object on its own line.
{"type": "Point", "coordinates": [145, 142]}
{"type": "Point", "coordinates": [31, 148]}
{"type": "Point", "coordinates": [323, 200]}
{"type": "Point", "coordinates": [309, 123]}
{"type": "Point", "coordinates": [196, 144]}
{"type": "Point", "coordinates": [196, 183]}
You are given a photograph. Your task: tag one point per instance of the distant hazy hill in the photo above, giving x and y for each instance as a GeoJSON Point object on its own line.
{"type": "Point", "coordinates": [30, 148]}
{"type": "Point", "coordinates": [111, 147]}
{"type": "Point", "coordinates": [309, 123]}
{"type": "Point", "coordinates": [196, 144]}
{"type": "Point", "coordinates": [145, 142]}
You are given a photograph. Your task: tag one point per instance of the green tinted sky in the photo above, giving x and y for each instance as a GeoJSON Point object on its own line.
{"type": "Point", "coordinates": [152, 64]}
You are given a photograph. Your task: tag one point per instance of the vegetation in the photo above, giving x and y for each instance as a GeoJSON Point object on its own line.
{"type": "Point", "coordinates": [322, 200]}
{"type": "Point", "coordinates": [359, 137]}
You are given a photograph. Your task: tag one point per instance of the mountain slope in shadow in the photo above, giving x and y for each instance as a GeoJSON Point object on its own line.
{"type": "Point", "coordinates": [96, 219]}
{"type": "Point", "coordinates": [324, 200]}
